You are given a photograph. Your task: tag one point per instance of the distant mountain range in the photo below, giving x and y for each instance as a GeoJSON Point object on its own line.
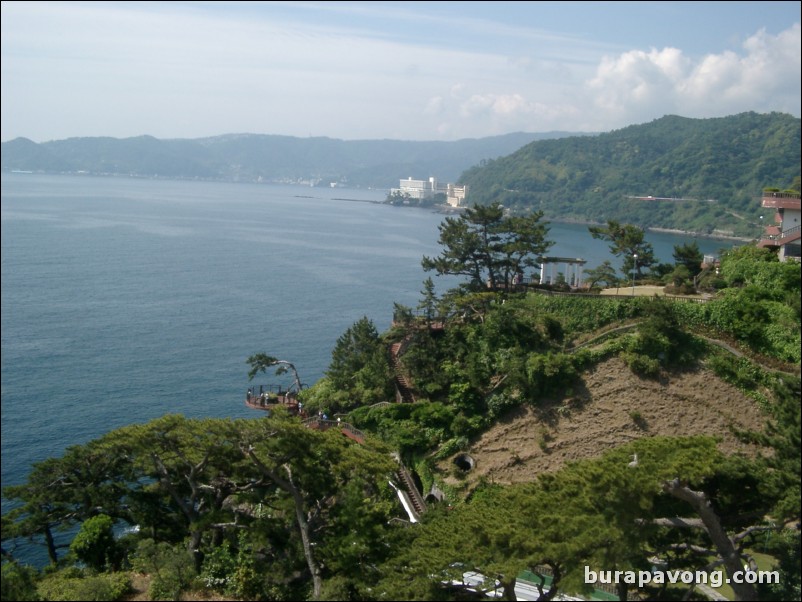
{"type": "Point", "coordinates": [252, 157]}
{"type": "Point", "coordinates": [696, 175]}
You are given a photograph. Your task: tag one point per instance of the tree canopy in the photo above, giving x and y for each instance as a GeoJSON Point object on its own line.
{"type": "Point", "coordinates": [626, 241]}
{"type": "Point", "coordinates": [297, 494]}
{"type": "Point", "coordinates": [489, 247]}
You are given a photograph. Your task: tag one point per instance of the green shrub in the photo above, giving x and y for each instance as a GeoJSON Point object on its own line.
{"type": "Point", "coordinates": [218, 566]}
{"type": "Point", "coordinates": [742, 373]}
{"type": "Point", "coordinates": [499, 403]}
{"type": "Point", "coordinates": [94, 544]}
{"type": "Point", "coordinates": [460, 425]}
{"type": "Point", "coordinates": [165, 588]}
{"type": "Point", "coordinates": [638, 419]}
{"type": "Point", "coordinates": [550, 373]}
{"type": "Point", "coordinates": [18, 582]}
{"type": "Point", "coordinates": [641, 365]}
{"type": "Point", "coordinates": [172, 569]}
{"type": "Point", "coordinates": [451, 447]}
{"type": "Point", "coordinates": [107, 586]}
{"type": "Point", "coordinates": [232, 571]}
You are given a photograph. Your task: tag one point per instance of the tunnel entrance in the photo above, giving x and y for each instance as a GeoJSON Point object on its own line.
{"type": "Point", "coordinates": [464, 462]}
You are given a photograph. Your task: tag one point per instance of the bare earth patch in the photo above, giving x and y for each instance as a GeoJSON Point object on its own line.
{"type": "Point", "coordinates": [609, 407]}
{"type": "Point", "coordinates": [643, 290]}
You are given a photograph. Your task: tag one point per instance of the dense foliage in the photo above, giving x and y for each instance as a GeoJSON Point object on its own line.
{"type": "Point", "coordinates": [723, 164]}
{"type": "Point", "coordinates": [284, 505]}
{"type": "Point", "coordinates": [272, 509]}
{"type": "Point", "coordinates": [602, 512]}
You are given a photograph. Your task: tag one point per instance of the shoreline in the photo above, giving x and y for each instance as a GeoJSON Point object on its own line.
{"type": "Point", "coordinates": [448, 209]}
{"type": "Point", "coordinates": [697, 235]}
{"type": "Point", "coordinates": [676, 231]}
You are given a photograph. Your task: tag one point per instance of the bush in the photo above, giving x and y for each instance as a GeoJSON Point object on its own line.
{"type": "Point", "coordinates": [62, 586]}
{"type": "Point", "coordinates": [94, 544]}
{"type": "Point", "coordinates": [638, 419]}
{"type": "Point", "coordinates": [499, 403]}
{"type": "Point", "coordinates": [218, 566]}
{"type": "Point", "coordinates": [164, 588]}
{"type": "Point", "coordinates": [550, 373]}
{"type": "Point", "coordinates": [172, 568]}
{"type": "Point", "coordinates": [451, 447]}
{"type": "Point", "coordinates": [18, 582]}
{"type": "Point", "coordinates": [641, 365]}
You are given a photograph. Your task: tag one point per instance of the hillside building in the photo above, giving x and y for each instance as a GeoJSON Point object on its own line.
{"type": "Point", "coordinates": [783, 231]}
{"type": "Point", "coordinates": [426, 189]}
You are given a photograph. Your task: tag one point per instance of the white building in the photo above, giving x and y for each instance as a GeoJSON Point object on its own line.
{"type": "Point", "coordinates": [455, 195]}
{"type": "Point", "coordinates": [426, 189]}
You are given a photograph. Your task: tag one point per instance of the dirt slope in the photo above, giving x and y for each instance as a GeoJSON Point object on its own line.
{"type": "Point", "coordinates": [609, 407]}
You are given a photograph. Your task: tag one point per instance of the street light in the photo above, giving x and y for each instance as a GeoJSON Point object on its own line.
{"type": "Point", "coordinates": [634, 269]}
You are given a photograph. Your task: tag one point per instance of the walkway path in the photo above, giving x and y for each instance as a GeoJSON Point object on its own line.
{"type": "Point", "coordinates": [403, 390]}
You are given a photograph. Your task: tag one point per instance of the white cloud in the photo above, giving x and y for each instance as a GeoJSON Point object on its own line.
{"type": "Point", "coordinates": [478, 104]}
{"type": "Point", "coordinates": [188, 70]}
{"type": "Point", "coordinates": [766, 76]}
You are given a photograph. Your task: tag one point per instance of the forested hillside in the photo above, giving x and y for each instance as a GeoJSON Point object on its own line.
{"type": "Point", "coordinates": [722, 164]}
{"type": "Point", "coordinates": [251, 157]}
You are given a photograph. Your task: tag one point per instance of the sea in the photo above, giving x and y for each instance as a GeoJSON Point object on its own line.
{"type": "Point", "coordinates": [125, 299]}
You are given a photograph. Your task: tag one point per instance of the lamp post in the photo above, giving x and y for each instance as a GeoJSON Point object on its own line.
{"type": "Point", "coordinates": [634, 269]}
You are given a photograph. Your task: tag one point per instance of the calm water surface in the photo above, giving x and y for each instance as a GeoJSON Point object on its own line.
{"type": "Point", "coordinates": [126, 299]}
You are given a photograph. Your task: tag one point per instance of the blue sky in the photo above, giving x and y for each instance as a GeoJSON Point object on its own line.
{"type": "Point", "coordinates": [401, 70]}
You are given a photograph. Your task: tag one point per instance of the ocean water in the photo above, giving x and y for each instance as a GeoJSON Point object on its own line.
{"type": "Point", "coordinates": [127, 299]}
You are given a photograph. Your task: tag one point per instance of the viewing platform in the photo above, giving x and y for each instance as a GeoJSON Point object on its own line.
{"type": "Point", "coordinates": [781, 200]}
{"type": "Point", "coordinates": [269, 397]}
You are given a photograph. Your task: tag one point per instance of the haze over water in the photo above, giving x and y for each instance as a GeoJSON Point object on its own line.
{"type": "Point", "coordinates": [127, 299]}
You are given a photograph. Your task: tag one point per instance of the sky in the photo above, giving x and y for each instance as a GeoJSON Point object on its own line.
{"type": "Point", "coordinates": [396, 70]}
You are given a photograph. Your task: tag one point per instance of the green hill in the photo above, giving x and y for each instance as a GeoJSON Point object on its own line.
{"type": "Point", "coordinates": [723, 164]}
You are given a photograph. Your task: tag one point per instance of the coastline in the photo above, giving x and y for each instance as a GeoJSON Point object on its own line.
{"type": "Point", "coordinates": [677, 231]}
{"type": "Point", "coordinates": [448, 210]}
{"type": "Point", "coordinates": [697, 235]}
